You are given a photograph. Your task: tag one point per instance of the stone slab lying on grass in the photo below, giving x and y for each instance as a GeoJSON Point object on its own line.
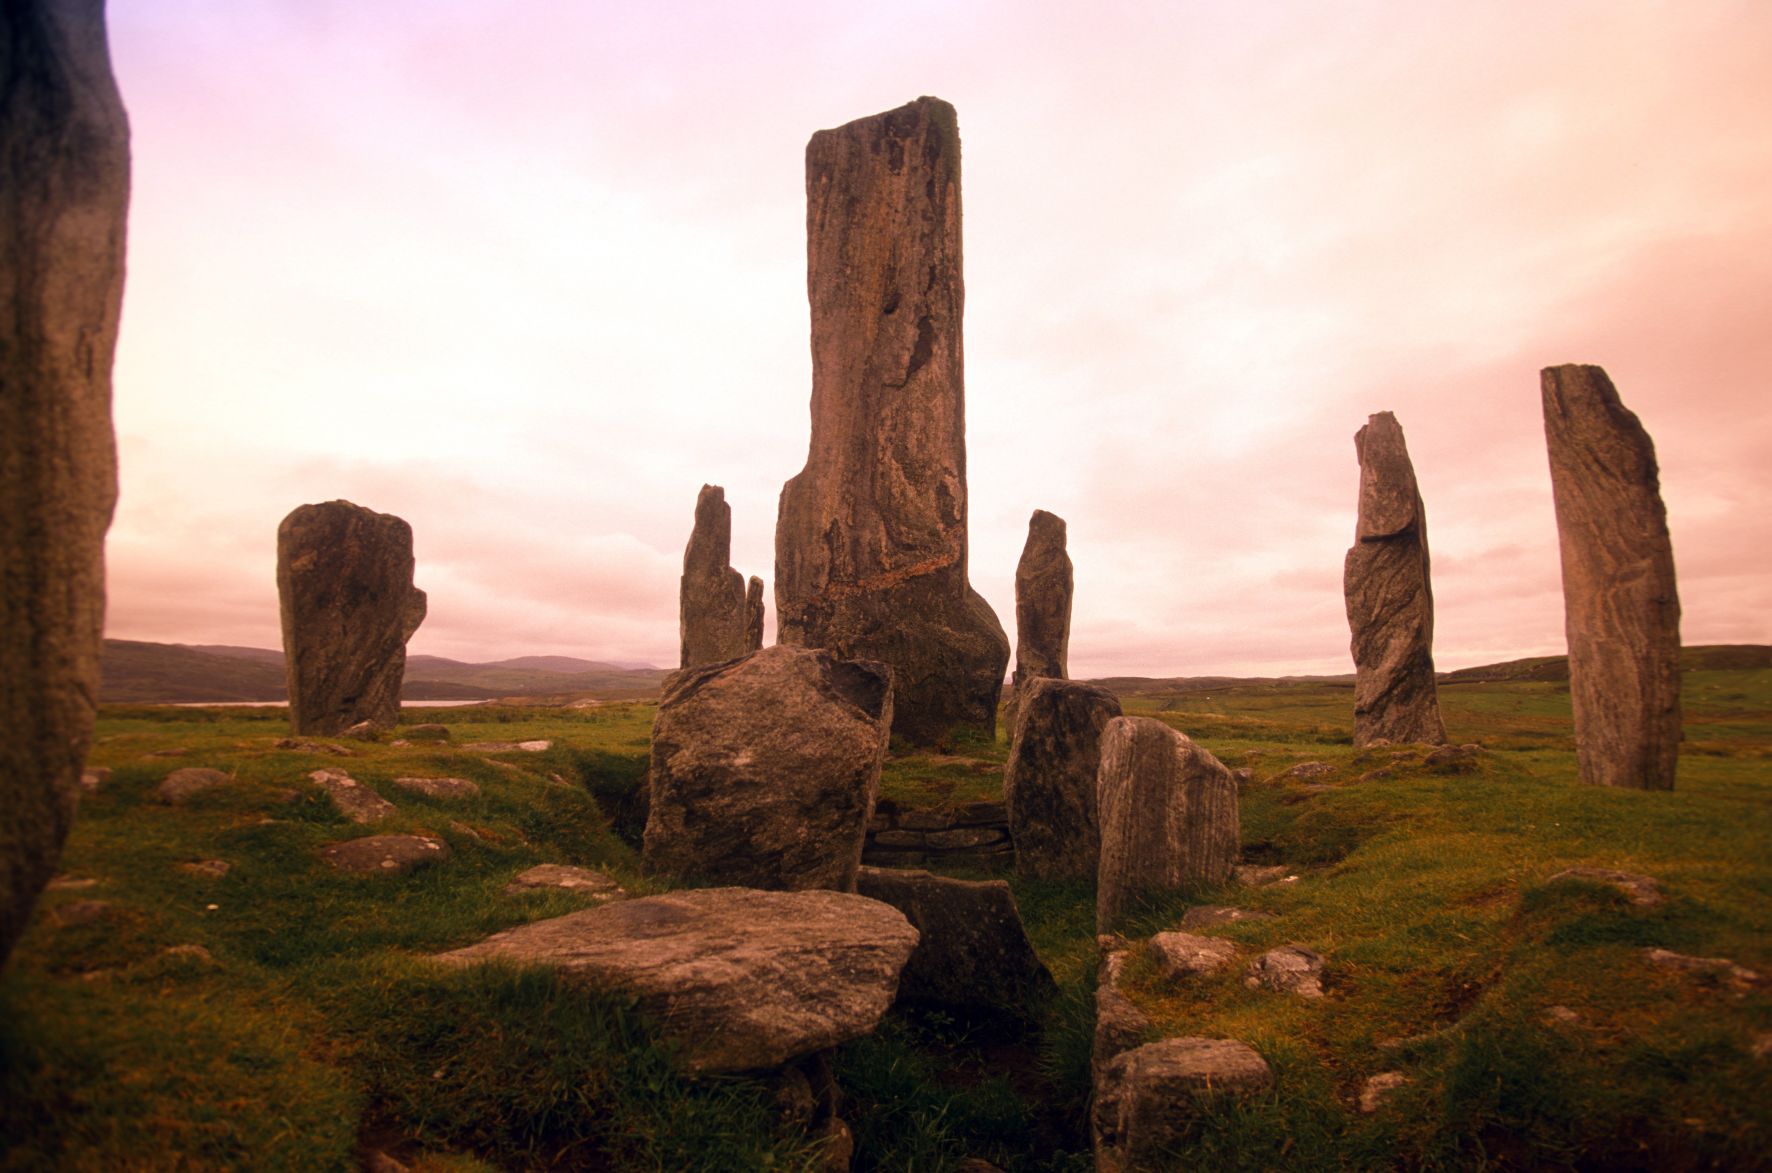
{"type": "Point", "coordinates": [354, 800]}
{"type": "Point", "coordinates": [1184, 955]}
{"type": "Point", "coordinates": [444, 788]}
{"type": "Point", "coordinates": [741, 979]}
{"type": "Point", "coordinates": [1304, 771]}
{"type": "Point", "coordinates": [305, 746]}
{"type": "Point", "coordinates": [180, 786]}
{"type": "Point", "coordinates": [1738, 977]}
{"type": "Point", "coordinates": [1642, 890]}
{"type": "Point", "coordinates": [1259, 876]}
{"type": "Point", "coordinates": [1146, 1100]}
{"type": "Point", "coordinates": [81, 912]}
{"type": "Point", "coordinates": [213, 869]}
{"type": "Point", "coordinates": [557, 876]}
{"type": "Point", "coordinates": [1291, 969]}
{"type": "Point", "coordinates": [1378, 1088]}
{"type": "Point", "coordinates": [1204, 916]}
{"type": "Point", "coordinates": [509, 746]}
{"type": "Point", "coordinates": [392, 854]}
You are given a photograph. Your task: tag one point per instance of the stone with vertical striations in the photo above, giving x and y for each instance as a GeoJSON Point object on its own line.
{"type": "Point", "coordinates": [1168, 813]}
{"type": "Point", "coordinates": [713, 606]}
{"type": "Point", "coordinates": [871, 541]}
{"type": "Point", "coordinates": [1621, 611]}
{"type": "Point", "coordinates": [1050, 779]}
{"type": "Point", "coordinates": [1043, 601]}
{"type": "Point", "coordinates": [64, 195]}
{"type": "Point", "coordinates": [344, 581]}
{"type": "Point", "coordinates": [753, 616]}
{"type": "Point", "coordinates": [1390, 600]}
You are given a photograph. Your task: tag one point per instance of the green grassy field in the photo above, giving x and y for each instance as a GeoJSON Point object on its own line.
{"type": "Point", "coordinates": [307, 1030]}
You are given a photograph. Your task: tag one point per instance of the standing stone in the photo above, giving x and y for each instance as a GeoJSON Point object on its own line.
{"type": "Point", "coordinates": [1049, 782]}
{"type": "Point", "coordinates": [753, 616]}
{"type": "Point", "coordinates": [870, 541]}
{"type": "Point", "coordinates": [715, 620]}
{"type": "Point", "coordinates": [64, 195]}
{"type": "Point", "coordinates": [1043, 602]}
{"type": "Point", "coordinates": [765, 770]}
{"type": "Point", "coordinates": [1621, 611]}
{"type": "Point", "coordinates": [1390, 602]}
{"type": "Point", "coordinates": [344, 579]}
{"type": "Point", "coordinates": [1168, 815]}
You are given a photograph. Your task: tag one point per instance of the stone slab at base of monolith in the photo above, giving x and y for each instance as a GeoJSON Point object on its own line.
{"type": "Point", "coordinates": [1390, 599]}
{"type": "Point", "coordinates": [871, 538]}
{"type": "Point", "coordinates": [64, 195]}
{"type": "Point", "coordinates": [344, 581]}
{"type": "Point", "coordinates": [1621, 611]}
{"type": "Point", "coordinates": [765, 769]}
{"type": "Point", "coordinates": [1049, 782]}
{"type": "Point", "coordinates": [713, 606]}
{"type": "Point", "coordinates": [1168, 812]}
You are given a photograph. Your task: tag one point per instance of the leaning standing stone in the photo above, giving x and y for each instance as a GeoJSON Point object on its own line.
{"type": "Point", "coordinates": [871, 536]}
{"type": "Point", "coordinates": [1390, 600]}
{"type": "Point", "coordinates": [1049, 782]}
{"type": "Point", "coordinates": [1168, 814]}
{"type": "Point", "coordinates": [1621, 611]}
{"type": "Point", "coordinates": [64, 193]}
{"type": "Point", "coordinates": [765, 770]}
{"type": "Point", "coordinates": [712, 604]}
{"type": "Point", "coordinates": [344, 579]}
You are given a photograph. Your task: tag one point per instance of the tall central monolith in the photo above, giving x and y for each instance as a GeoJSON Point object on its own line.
{"type": "Point", "coordinates": [870, 541]}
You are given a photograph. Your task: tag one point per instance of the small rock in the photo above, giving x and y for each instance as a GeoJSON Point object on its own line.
{"type": "Point", "coordinates": [214, 869]}
{"type": "Point", "coordinates": [1378, 775]}
{"type": "Point", "coordinates": [1452, 759]}
{"type": "Point", "coordinates": [582, 881]}
{"type": "Point", "coordinates": [325, 747]}
{"type": "Point", "coordinates": [792, 1095]}
{"type": "Point", "coordinates": [1204, 916]}
{"type": "Point", "coordinates": [194, 954]}
{"type": "Point", "coordinates": [443, 788]}
{"type": "Point", "coordinates": [395, 854]}
{"type": "Point", "coordinates": [69, 884]}
{"type": "Point", "coordinates": [1304, 771]}
{"type": "Point", "coordinates": [1119, 1025]}
{"type": "Point", "coordinates": [428, 733]}
{"type": "Point", "coordinates": [1244, 775]}
{"type": "Point", "coordinates": [1147, 1100]}
{"type": "Point", "coordinates": [1376, 1089]}
{"type": "Point", "coordinates": [363, 731]}
{"type": "Point", "coordinates": [81, 912]}
{"type": "Point", "coordinates": [93, 777]}
{"type": "Point", "coordinates": [1561, 1015]}
{"type": "Point", "coordinates": [1261, 875]}
{"type": "Point", "coordinates": [1290, 969]}
{"type": "Point", "coordinates": [1184, 955]}
{"type": "Point", "coordinates": [1642, 890]}
{"type": "Point", "coordinates": [1721, 968]}
{"type": "Point", "coordinates": [509, 746]}
{"type": "Point", "coordinates": [354, 800]}
{"type": "Point", "coordinates": [180, 786]}
{"type": "Point", "coordinates": [839, 1147]}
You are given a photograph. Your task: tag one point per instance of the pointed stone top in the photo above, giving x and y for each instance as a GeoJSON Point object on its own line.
{"type": "Point", "coordinates": [1046, 527]}
{"type": "Point", "coordinates": [1586, 405]}
{"type": "Point", "coordinates": [1390, 502]}
{"type": "Point", "coordinates": [710, 542]}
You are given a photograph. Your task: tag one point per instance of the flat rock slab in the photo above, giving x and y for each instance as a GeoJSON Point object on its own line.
{"type": "Point", "coordinates": [354, 800]}
{"type": "Point", "coordinates": [1305, 771]}
{"type": "Point", "coordinates": [556, 876]}
{"type": "Point", "coordinates": [1642, 890]}
{"type": "Point", "coordinates": [509, 746]}
{"type": "Point", "coordinates": [1291, 969]}
{"type": "Point", "coordinates": [81, 912]}
{"type": "Point", "coordinates": [1184, 955]}
{"type": "Point", "coordinates": [1204, 916]}
{"type": "Point", "coordinates": [180, 786]}
{"type": "Point", "coordinates": [392, 854]}
{"type": "Point", "coordinates": [741, 979]}
{"type": "Point", "coordinates": [301, 745]}
{"type": "Point", "coordinates": [1146, 1099]}
{"type": "Point", "coordinates": [444, 788]}
{"type": "Point", "coordinates": [1261, 875]}
{"type": "Point", "coordinates": [1722, 969]}
{"type": "Point", "coordinates": [212, 869]}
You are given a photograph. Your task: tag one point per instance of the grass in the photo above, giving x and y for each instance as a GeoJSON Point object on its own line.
{"type": "Point", "coordinates": [1533, 1031]}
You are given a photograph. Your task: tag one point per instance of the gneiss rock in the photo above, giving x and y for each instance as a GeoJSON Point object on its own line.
{"type": "Point", "coordinates": [753, 615]}
{"type": "Point", "coordinates": [1390, 601]}
{"type": "Point", "coordinates": [871, 540]}
{"type": "Point", "coordinates": [1621, 611]}
{"type": "Point", "coordinates": [354, 800]}
{"type": "Point", "coordinates": [344, 582]}
{"type": "Point", "coordinates": [1050, 779]}
{"type": "Point", "coordinates": [1184, 955]}
{"type": "Point", "coordinates": [1146, 1099]}
{"type": "Point", "coordinates": [1168, 814]}
{"type": "Point", "coordinates": [448, 789]}
{"type": "Point", "coordinates": [180, 786]}
{"type": "Point", "coordinates": [974, 953]}
{"type": "Point", "coordinates": [1042, 606]}
{"type": "Point", "coordinates": [1291, 969]}
{"type": "Point", "coordinates": [741, 979]}
{"type": "Point", "coordinates": [713, 608]}
{"type": "Point", "coordinates": [64, 191]}
{"type": "Point", "coordinates": [764, 770]}
{"type": "Point", "coordinates": [391, 854]}
{"type": "Point", "coordinates": [566, 878]}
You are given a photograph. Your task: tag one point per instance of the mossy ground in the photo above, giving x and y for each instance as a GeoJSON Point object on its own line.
{"type": "Point", "coordinates": [313, 1028]}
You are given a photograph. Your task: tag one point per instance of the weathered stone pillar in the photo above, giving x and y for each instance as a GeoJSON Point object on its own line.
{"type": "Point", "coordinates": [64, 198]}
{"type": "Point", "coordinates": [344, 581]}
{"type": "Point", "coordinates": [870, 541]}
{"type": "Point", "coordinates": [1390, 600]}
{"type": "Point", "coordinates": [1620, 607]}
{"type": "Point", "coordinates": [753, 615]}
{"type": "Point", "coordinates": [1168, 812]}
{"type": "Point", "coordinates": [1049, 781]}
{"type": "Point", "coordinates": [712, 604]}
{"type": "Point", "coordinates": [1043, 601]}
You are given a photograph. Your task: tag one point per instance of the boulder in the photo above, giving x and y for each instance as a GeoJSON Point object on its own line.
{"type": "Point", "coordinates": [764, 770]}
{"type": "Point", "coordinates": [1168, 813]}
{"type": "Point", "coordinates": [1050, 779]}
{"type": "Point", "coordinates": [563, 877]}
{"type": "Point", "coordinates": [354, 800]}
{"type": "Point", "coordinates": [1147, 1100]}
{"type": "Point", "coordinates": [1390, 599]}
{"type": "Point", "coordinates": [713, 607]}
{"type": "Point", "coordinates": [740, 979]}
{"type": "Point", "coordinates": [385, 854]}
{"type": "Point", "coordinates": [1185, 955]}
{"type": "Point", "coordinates": [64, 142]}
{"type": "Point", "coordinates": [973, 953]}
{"type": "Point", "coordinates": [447, 789]}
{"type": "Point", "coordinates": [1621, 611]}
{"type": "Point", "coordinates": [180, 786]}
{"type": "Point", "coordinates": [1042, 606]}
{"type": "Point", "coordinates": [344, 584]}
{"type": "Point", "coordinates": [871, 536]}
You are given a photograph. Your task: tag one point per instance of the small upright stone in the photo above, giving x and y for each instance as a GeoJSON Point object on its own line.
{"type": "Point", "coordinates": [1050, 779]}
{"type": "Point", "coordinates": [1621, 610]}
{"type": "Point", "coordinates": [344, 580]}
{"type": "Point", "coordinates": [871, 536]}
{"type": "Point", "coordinates": [1043, 602]}
{"type": "Point", "coordinates": [1168, 814]}
{"type": "Point", "coordinates": [753, 616]}
{"type": "Point", "coordinates": [1147, 1100]}
{"type": "Point", "coordinates": [64, 195]}
{"type": "Point", "coordinates": [713, 606]}
{"type": "Point", "coordinates": [1390, 599]}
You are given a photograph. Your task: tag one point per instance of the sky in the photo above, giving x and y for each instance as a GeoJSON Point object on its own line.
{"type": "Point", "coordinates": [527, 274]}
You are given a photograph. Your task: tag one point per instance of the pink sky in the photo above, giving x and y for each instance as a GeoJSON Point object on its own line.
{"type": "Point", "coordinates": [528, 275]}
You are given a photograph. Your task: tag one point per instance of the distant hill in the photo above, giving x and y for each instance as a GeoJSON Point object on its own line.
{"type": "Point", "coordinates": [1555, 669]}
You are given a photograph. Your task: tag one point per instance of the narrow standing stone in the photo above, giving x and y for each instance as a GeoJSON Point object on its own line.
{"type": "Point", "coordinates": [1043, 601]}
{"type": "Point", "coordinates": [1621, 610]}
{"type": "Point", "coordinates": [344, 579]}
{"type": "Point", "coordinates": [1049, 781]}
{"type": "Point", "coordinates": [1390, 600]}
{"type": "Point", "coordinates": [871, 543]}
{"type": "Point", "coordinates": [712, 603]}
{"type": "Point", "coordinates": [64, 196]}
{"type": "Point", "coordinates": [753, 615]}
